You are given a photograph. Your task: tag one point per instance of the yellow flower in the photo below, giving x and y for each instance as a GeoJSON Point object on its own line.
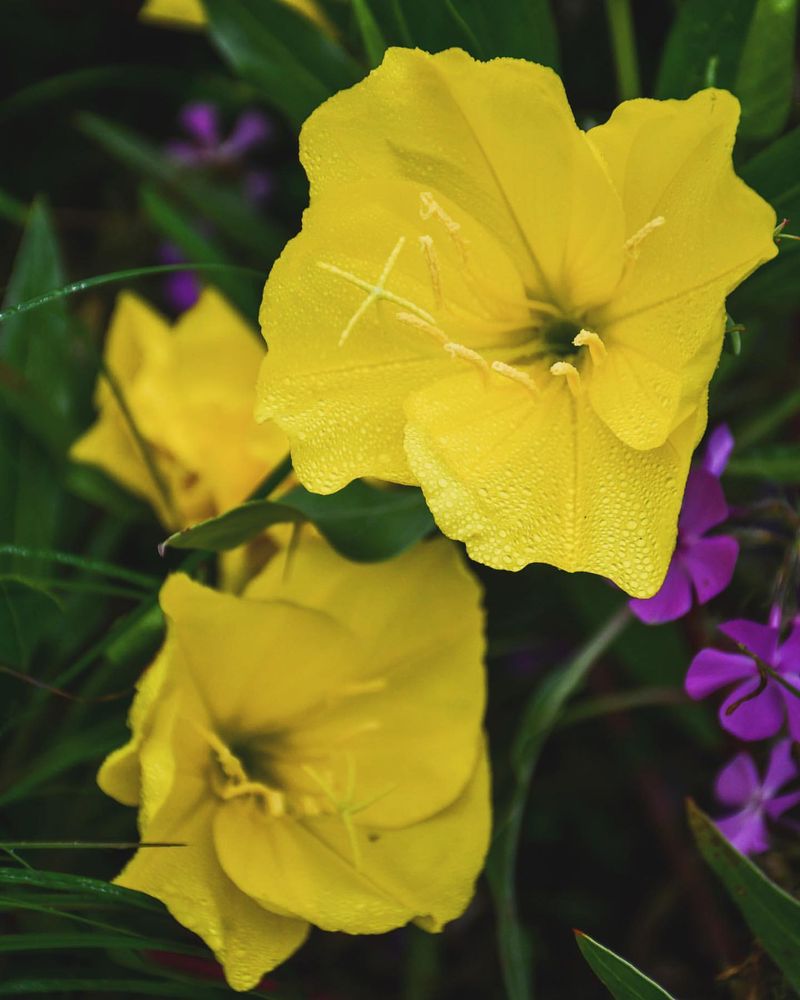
{"type": "Point", "coordinates": [316, 744]}
{"type": "Point", "coordinates": [517, 315]}
{"type": "Point", "coordinates": [190, 13]}
{"type": "Point", "coordinates": [189, 391]}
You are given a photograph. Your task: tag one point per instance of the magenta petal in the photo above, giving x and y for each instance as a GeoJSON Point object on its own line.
{"type": "Point", "coordinates": [712, 669]}
{"type": "Point", "coordinates": [718, 450]}
{"type": "Point", "coordinates": [672, 601]}
{"type": "Point", "coordinates": [746, 830]}
{"type": "Point", "coordinates": [788, 657]}
{"type": "Point", "coordinates": [781, 769]}
{"type": "Point", "coordinates": [783, 803]}
{"type": "Point", "coordinates": [755, 719]}
{"type": "Point", "coordinates": [704, 504]}
{"type": "Point", "coordinates": [710, 563]}
{"type": "Point", "coordinates": [201, 122]}
{"type": "Point", "coordinates": [759, 639]}
{"type": "Point", "coordinates": [737, 781]}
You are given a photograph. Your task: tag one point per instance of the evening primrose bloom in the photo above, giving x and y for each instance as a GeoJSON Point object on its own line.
{"type": "Point", "coordinates": [316, 745]}
{"type": "Point", "coordinates": [519, 316]}
{"type": "Point", "coordinates": [188, 389]}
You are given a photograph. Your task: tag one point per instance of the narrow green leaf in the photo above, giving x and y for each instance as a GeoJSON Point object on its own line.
{"type": "Point", "coordinates": [503, 28]}
{"type": "Point", "coordinates": [26, 610]}
{"type": "Point", "coordinates": [374, 42]}
{"type": "Point", "coordinates": [291, 61]}
{"type": "Point", "coordinates": [12, 209]}
{"type": "Point", "coordinates": [623, 980]}
{"type": "Point", "coordinates": [768, 420]}
{"type": "Point", "coordinates": [127, 987]}
{"type": "Point", "coordinates": [226, 208]}
{"type": "Point", "coordinates": [95, 487]}
{"type": "Point", "coordinates": [361, 522]}
{"type": "Point", "coordinates": [540, 717]}
{"type": "Point", "coordinates": [779, 463]}
{"type": "Point", "coordinates": [91, 888]}
{"type": "Point", "coordinates": [13, 943]}
{"type": "Point", "coordinates": [772, 914]}
{"type": "Point", "coordinates": [95, 566]}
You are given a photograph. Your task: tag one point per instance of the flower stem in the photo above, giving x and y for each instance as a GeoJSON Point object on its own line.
{"type": "Point", "coordinates": [623, 45]}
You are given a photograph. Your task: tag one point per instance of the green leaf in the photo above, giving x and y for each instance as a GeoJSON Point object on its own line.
{"type": "Point", "coordinates": [540, 717]}
{"type": "Point", "coordinates": [93, 566]}
{"type": "Point", "coordinates": [705, 46]}
{"type": "Point", "coordinates": [745, 46]}
{"type": "Point", "coordinates": [766, 70]}
{"type": "Point", "coordinates": [374, 42]}
{"type": "Point", "coordinates": [89, 888]}
{"type": "Point", "coordinates": [507, 28]}
{"type": "Point", "coordinates": [779, 463]}
{"type": "Point", "coordinates": [128, 987]}
{"type": "Point", "coordinates": [361, 522]}
{"type": "Point", "coordinates": [773, 173]}
{"type": "Point", "coordinates": [226, 208]}
{"type": "Point", "coordinates": [12, 943]}
{"type": "Point", "coordinates": [25, 612]}
{"type": "Point", "coordinates": [293, 63]}
{"type": "Point", "coordinates": [772, 914]}
{"type": "Point", "coordinates": [623, 980]}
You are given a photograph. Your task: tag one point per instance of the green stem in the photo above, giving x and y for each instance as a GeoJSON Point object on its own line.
{"type": "Point", "coordinates": [623, 45]}
{"type": "Point", "coordinates": [541, 715]}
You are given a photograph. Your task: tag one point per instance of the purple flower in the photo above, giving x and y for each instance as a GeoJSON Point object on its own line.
{"type": "Point", "coordinates": [181, 288]}
{"type": "Point", "coordinates": [738, 785]}
{"type": "Point", "coordinates": [205, 146]}
{"type": "Point", "coordinates": [765, 678]}
{"type": "Point", "coordinates": [699, 564]}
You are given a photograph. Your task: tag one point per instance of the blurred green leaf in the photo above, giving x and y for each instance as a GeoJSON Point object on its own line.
{"type": "Point", "coordinates": [87, 565]}
{"type": "Point", "coordinates": [779, 463]}
{"type": "Point", "coordinates": [197, 246]}
{"type": "Point", "coordinates": [361, 522]}
{"type": "Point", "coordinates": [95, 487]}
{"type": "Point", "coordinates": [294, 64]}
{"type": "Point", "coordinates": [774, 174]}
{"type": "Point", "coordinates": [766, 70]}
{"type": "Point", "coordinates": [127, 987]}
{"type": "Point", "coordinates": [226, 208]}
{"type": "Point", "coordinates": [623, 980]}
{"type": "Point", "coordinates": [768, 420]}
{"type": "Point", "coordinates": [540, 717]}
{"type": "Point", "coordinates": [12, 209]}
{"type": "Point", "coordinates": [374, 43]}
{"type": "Point", "coordinates": [506, 28]}
{"type": "Point", "coordinates": [25, 611]}
{"type": "Point", "coordinates": [772, 914]}
{"type": "Point", "coordinates": [745, 46]}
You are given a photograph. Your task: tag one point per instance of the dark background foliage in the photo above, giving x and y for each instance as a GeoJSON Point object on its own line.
{"type": "Point", "coordinates": [90, 94]}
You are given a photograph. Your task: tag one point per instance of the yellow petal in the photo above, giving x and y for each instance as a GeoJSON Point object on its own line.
{"type": "Point", "coordinates": [425, 871]}
{"type": "Point", "coordinates": [499, 141]}
{"type": "Point", "coordinates": [190, 13]}
{"type": "Point", "coordinates": [335, 381]}
{"type": "Point", "coordinates": [247, 939]}
{"type": "Point", "coordinates": [119, 774]}
{"type": "Point", "coordinates": [256, 665]}
{"type": "Point", "coordinates": [497, 476]}
{"type": "Point", "coordinates": [414, 708]}
{"type": "Point", "coordinates": [672, 160]}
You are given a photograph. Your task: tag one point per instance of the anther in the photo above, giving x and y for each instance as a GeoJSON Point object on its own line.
{"type": "Point", "coordinates": [516, 375]}
{"type": "Point", "coordinates": [571, 373]}
{"type": "Point", "coordinates": [466, 354]}
{"type": "Point", "coordinates": [426, 245]}
{"type": "Point", "coordinates": [632, 245]}
{"type": "Point", "coordinates": [588, 338]}
{"type": "Point", "coordinates": [430, 208]}
{"type": "Point", "coordinates": [420, 324]}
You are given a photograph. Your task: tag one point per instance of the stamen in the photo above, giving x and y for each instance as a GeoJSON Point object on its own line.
{"type": "Point", "coordinates": [376, 291]}
{"type": "Point", "coordinates": [597, 349]}
{"type": "Point", "coordinates": [459, 351]}
{"type": "Point", "coordinates": [431, 208]}
{"type": "Point", "coordinates": [421, 324]}
{"type": "Point", "coordinates": [426, 245]}
{"type": "Point", "coordinates": [632, 245]}
{"type": "Point", "coordinates": [571, 373]}
{"type": "Point", "coordinates": [522, 378]}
